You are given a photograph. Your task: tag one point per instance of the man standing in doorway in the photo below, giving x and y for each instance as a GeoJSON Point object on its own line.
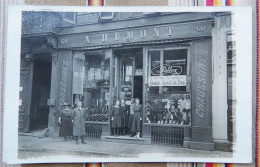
{"type": "Point", "coordinates": [79, 117]}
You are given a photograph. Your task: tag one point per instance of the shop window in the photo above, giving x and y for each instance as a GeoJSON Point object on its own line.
{"type": "Point", "coordinates": [174, 62]}
{"type": "Point", "coordinates": [167, 96]}
{"type": "Point", "coordinates": [96, 87]}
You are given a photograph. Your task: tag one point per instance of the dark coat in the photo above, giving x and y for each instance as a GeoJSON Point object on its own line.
{"type": "Point", "coordinates": [66, 127]}
{"type": "Point", "coordinates": [79, 117]}
{"type": "Point", "coordinates": [116, 122]}
{"type": "Point", "coordinates": [124, 116]}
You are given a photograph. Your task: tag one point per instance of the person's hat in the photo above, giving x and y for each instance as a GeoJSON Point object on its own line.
{"type": "Point", "coordinates": [66, 104]}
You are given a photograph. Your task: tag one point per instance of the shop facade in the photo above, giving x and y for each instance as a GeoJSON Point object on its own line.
{"type": "Point", "coordinates": [167, 60]}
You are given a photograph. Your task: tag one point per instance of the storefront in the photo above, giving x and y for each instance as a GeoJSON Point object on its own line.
{"type": "Point", "coordinates": [164, 59]}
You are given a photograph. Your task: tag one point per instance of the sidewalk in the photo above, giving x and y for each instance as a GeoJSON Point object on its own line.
{"type": "Point", "coordinates": [33, 147]}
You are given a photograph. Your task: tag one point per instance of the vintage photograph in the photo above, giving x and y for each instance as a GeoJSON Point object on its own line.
{"type": "Point", "coordinates": [127, 85]}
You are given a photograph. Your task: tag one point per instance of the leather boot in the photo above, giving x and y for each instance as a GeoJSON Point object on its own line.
{"type": "Point", "coordinates": [82, 140]}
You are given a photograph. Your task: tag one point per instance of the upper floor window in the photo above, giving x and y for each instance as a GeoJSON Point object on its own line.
{"type": "Point", "coordinates": [69, 17]}
{"type": "Point", "coordinates": [106, 15]}
{"type": "Point", "coordinates": [231, 49]}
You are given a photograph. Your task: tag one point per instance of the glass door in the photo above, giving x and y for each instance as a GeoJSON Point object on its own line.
{"type": "Point", "coordinates": [126, 79]}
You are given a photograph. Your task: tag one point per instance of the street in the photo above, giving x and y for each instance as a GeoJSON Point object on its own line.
{"type": "Point", "coordinates": [34, 147]}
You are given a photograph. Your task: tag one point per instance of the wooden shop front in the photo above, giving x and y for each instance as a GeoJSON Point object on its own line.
{"type": "Point", "coordinates": [160, 61]}
{"type": "Point", "coordinates": [164, 59]}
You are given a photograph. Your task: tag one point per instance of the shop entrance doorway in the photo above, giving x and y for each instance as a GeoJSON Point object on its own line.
{"type": "Point", "coordinates": [129, 74]}
{"type": "Point", "coordinates": [129, 83]}
{"type": "Point", "coordinates": [39, 109]}
{"type": "Point", "coordinates": [138, 88]}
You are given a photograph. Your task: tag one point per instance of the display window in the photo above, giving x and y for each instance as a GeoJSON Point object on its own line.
{"type": "Point", "coordinates": [168, 88]}
{"type": "Point", "coordinates": [96, 87]}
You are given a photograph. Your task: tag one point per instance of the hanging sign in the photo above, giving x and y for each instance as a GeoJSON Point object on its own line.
{"type": "Point", "coordinates": [174, 80]}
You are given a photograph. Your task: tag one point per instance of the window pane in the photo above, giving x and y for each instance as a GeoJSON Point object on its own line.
{"type": "Point", "coordinates": [139, 62]}
{"type": "Point", "coordinates": [96, 87]}
{"type": "Point", "coordinates": [155, 63]}
{"type": "Point", "coordinates": [126, 77]}
{"type": "Point", "coordinates": [175, 62]}
{"type": "Point", "coordinates": [127, 68]}
{"type": "Point", "coordinates": [167, 103]}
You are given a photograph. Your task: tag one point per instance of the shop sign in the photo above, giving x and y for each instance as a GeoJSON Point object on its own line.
{"type": "Point", "coordinates": [202, 81]}
{"type": "Point", "coordinates": [136, 34]}
{"type": "Point", "coordinates": [174, 80]}
{"type": "Point", "coordinates": [166, 70]}
{"type": "Point", "coordinates": [139, 72]}
{"type": "Point", "coordinates": [64, 78]}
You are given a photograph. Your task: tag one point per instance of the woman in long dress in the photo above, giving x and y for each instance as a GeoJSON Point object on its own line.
{"type": "Point", "coordinates": [136, 123]}
{"type": "Point", "coordinates": [65, 120]}
{"type": "Point", "coordinates": [124, 116]}
{"type": "Point", "coordinates": [116, 119]}
{"type": "Point", "coordinates": [131, 117]}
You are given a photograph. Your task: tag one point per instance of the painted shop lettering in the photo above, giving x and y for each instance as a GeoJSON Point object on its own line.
{"type": "Point", "coordinates": [130, 34]}
{"type": "Point", "coordinates": [156, 32]}
{"type": "Point", "coordinates": [201, 85]}
{"type": "Point", "coordinates": [117, 36]}
{"type": "Point", "coordinates": [167, 69]}
{"type": "Point", "coordinates": [63, 82]}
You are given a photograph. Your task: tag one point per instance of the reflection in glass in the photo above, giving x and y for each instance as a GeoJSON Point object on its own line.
{"type": "Point", "coordinates": [96, 87]}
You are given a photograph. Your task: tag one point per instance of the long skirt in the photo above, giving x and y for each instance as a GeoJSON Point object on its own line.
{"type": "Point", "coordinates": [66, 127]}
{"type": "Point", "coordinates": [116, 122]}
{"type": "Point", "coordinates": [130, 120]}
{"type": "Point", "coordinates": [124, 121]}
{"type": "Point", "coordinates": [136, 123]}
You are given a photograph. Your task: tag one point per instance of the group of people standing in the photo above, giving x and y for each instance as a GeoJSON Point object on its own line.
{"type": "Point", "coordinates": [123, 118]}
{"type": "Point", "coordinates": [127, 117]}
{"type": "Point", "coordinates": [72, 122]}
